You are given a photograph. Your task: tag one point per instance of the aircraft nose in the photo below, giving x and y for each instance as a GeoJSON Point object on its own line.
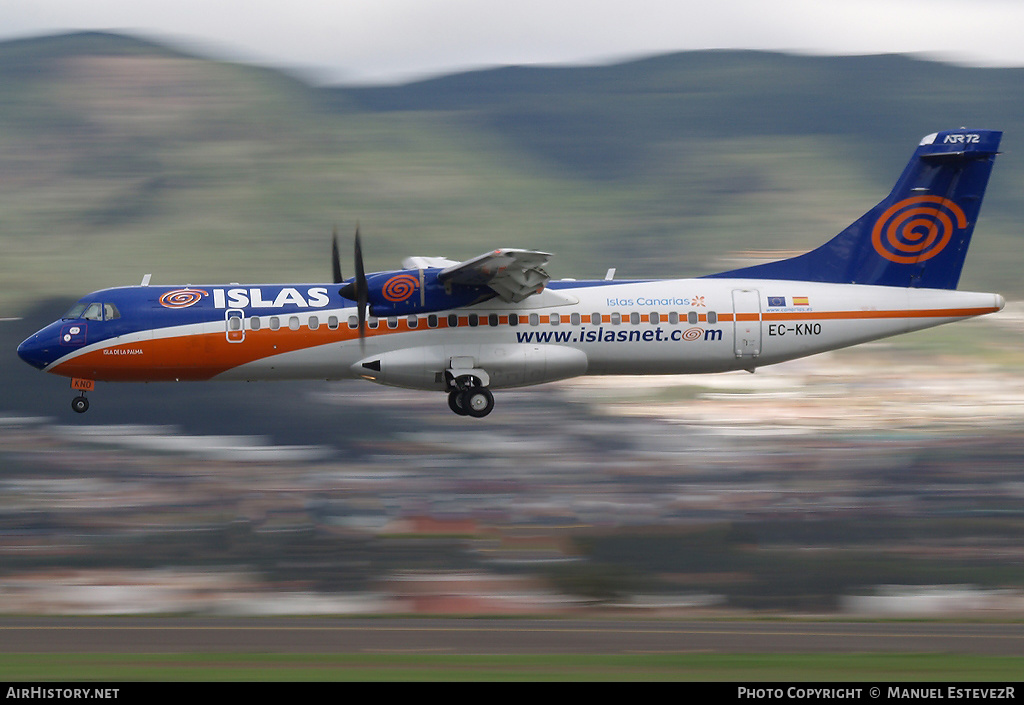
{"type": "Point", "coordinates": [33, 351]}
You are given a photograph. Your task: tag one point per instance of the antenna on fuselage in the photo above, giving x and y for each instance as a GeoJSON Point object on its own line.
{"type": "Point", "coordinates": [145, 279]}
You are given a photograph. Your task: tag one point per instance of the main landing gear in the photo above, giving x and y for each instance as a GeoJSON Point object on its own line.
{"type": "Point", "coordinates": [468, 395]}
{"type": "Point", "coordinates": [475, 401]}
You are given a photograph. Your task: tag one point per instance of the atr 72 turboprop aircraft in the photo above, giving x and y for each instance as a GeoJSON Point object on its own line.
{"type": "Point", "coordinates": [497, 321]}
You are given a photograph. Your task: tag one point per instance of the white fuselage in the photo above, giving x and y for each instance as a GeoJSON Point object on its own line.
{"type": "Point", "coordinates": [606, 328]}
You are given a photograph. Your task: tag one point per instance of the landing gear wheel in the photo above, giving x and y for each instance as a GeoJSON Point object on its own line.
{"type": "Point", "coordinates": [478, 401]}
{"type": "Point", "coordinates": [455, 402]}
{"type": "Point", "coordinates": [80, 404]}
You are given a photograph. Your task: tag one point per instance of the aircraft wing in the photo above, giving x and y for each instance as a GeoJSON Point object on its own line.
{"type": "Point", "coordinates": [512, 274]}
{"type": "Point", "coordinates": [427, 262]}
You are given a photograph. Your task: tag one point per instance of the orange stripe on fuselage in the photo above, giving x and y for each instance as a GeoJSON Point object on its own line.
{"type": "Point", "coordinates": [203, 355]}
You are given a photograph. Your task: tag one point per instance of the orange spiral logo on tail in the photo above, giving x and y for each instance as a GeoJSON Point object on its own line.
{"type": "Point", "coordinates": [399, 288]}
{"type": "Point", "coordinates": [917, 228]}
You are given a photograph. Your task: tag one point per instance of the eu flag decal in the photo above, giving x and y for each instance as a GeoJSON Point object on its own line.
{"type": "Point", "coordinates": [776, 300]}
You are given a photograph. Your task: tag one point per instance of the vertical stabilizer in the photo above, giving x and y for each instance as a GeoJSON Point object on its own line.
{"type": "Point", "coordinates": [918, 236]}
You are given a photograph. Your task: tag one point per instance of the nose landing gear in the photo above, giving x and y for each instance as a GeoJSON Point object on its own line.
{"type": "Point", "coordinates": [80, 404]}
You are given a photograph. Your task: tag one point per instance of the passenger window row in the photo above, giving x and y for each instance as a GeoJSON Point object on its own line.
{"type": "Point", "coordinates": [473, 320]}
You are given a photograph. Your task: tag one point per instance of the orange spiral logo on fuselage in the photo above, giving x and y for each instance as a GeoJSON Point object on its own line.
{"type": "Point", "coordinates": [917, 228]}
{"type": "Point", "coordinates": [182, 298]}
{"type": "Point", "coordinates": [400, 287]}
{"type": "Point", "coordinates": [693, 334]}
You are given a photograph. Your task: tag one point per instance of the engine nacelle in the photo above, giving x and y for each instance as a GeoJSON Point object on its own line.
{"type": "Point", "coordinates": [408, 291]}
{"type": "Point", "coordinates": [512, 365]}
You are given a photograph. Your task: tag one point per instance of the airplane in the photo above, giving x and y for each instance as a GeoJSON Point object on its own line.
{"type": "Point", "coordinates": [498, 321]}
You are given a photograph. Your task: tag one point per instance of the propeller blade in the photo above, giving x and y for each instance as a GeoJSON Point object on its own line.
{"type": "Point", "coordinates": [362, 288]}
{"type": "Point", "coordinates": [360, 271]}
{"type": "Point", "coordinates": [351, 290]}
{"type": "Point", "coordinates": [335, 259]}
{"type": "Point", "coordinates": [357, 289]}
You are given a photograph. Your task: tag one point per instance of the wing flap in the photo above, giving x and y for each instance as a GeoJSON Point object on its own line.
{"type": "Point", "coordinates": [512, 274]}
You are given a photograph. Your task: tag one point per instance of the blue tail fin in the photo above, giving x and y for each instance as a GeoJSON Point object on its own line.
{"type": "Point", "coordinates": [918, 236]}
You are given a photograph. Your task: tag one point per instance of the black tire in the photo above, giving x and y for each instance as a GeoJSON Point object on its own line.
{"type": "Point", "coordinates": [80, 405]}
{"type": "Point", "coordinates": [455, 403]}
{"type": "Point", "coordinates": [478, 401]}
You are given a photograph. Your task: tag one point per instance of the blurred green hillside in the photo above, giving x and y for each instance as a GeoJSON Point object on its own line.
{"type": "Point", "coordinates": [119, 157]}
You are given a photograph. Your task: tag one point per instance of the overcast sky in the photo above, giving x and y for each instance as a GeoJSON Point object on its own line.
{"type": "Point", "coordinates": [393, 40]}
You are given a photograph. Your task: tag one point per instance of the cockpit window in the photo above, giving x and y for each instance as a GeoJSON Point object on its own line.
{"type": "Point", "coordinates": [75, 311]}
{"type": "Point", "coordinates": [93, 312]}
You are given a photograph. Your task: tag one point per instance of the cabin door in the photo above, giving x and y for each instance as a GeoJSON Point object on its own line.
{"type": "Point", "coordinates": [746, 306]}
{"type": "Point", "coordinates": [234, 321]}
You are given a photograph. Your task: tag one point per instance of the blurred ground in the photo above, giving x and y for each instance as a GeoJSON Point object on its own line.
{"type": "Point", "coordinates": [442, 637]}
